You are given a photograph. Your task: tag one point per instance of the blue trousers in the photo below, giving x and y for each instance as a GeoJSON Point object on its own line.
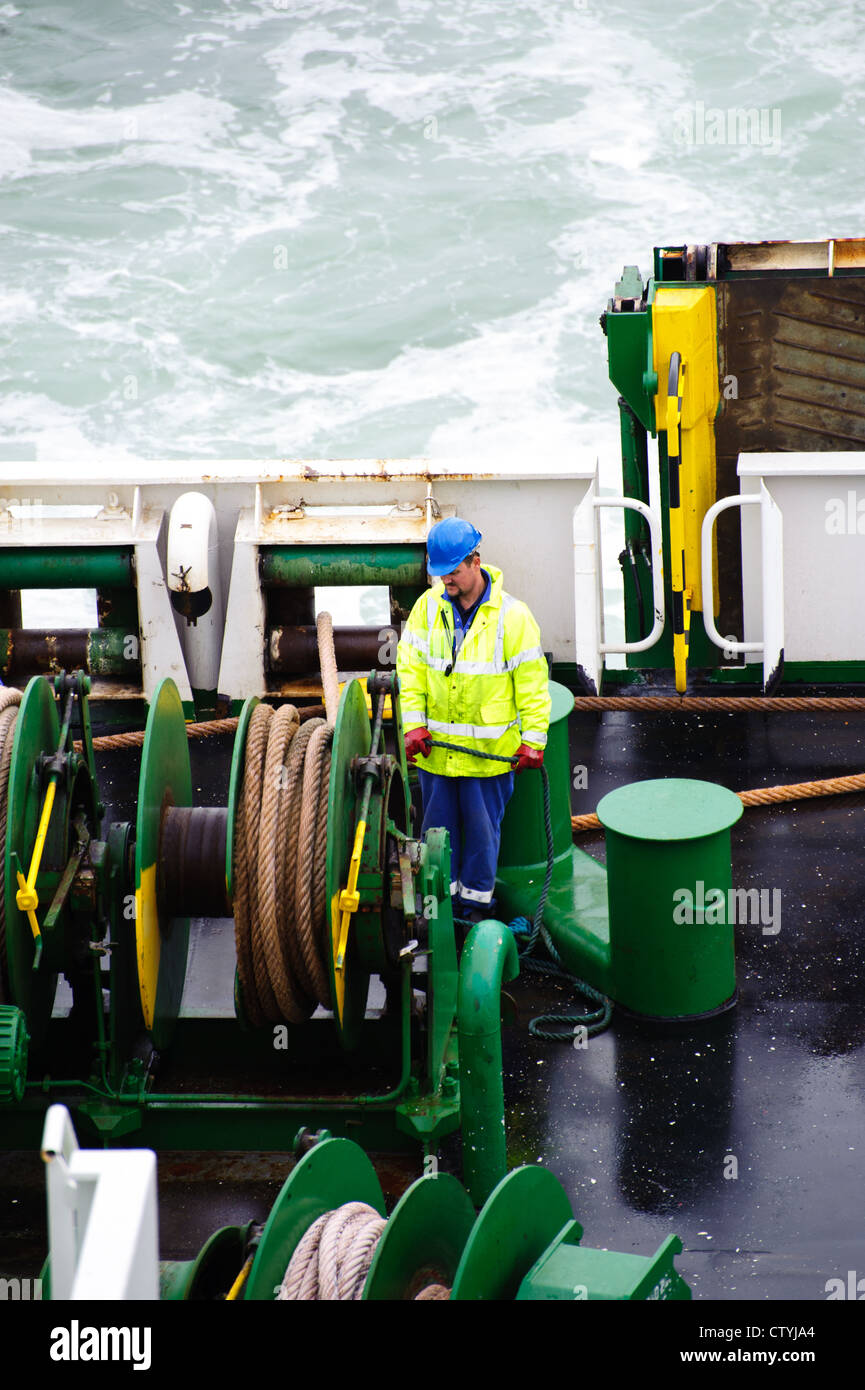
{"type": "Point", "coordinates": [471, 810]}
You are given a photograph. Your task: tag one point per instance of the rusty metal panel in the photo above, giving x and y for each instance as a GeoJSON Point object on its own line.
{"type": "Point", "coordinates": [791, 357]}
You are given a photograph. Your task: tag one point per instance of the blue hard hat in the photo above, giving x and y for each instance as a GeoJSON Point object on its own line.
{"type": "Point", "coordinates": [449, 543]}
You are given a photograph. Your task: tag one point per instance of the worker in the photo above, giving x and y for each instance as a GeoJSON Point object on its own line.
{"type": "Point", "coordinates": [472, 673]}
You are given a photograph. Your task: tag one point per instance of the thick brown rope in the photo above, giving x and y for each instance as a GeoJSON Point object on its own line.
{"type": "Point", "coordinates": [722, 704]}
{"type": "Point", "coordinates": [764, 796]}
{"type": "Point", "coordinates": [289, 838]}
{"type": "Point", "coordinates": [281, 840]}
{"type": "Point", "coordinates": [10, 699]}
{"type": "Point", "coordinates": [268, 923]}
{"type": "Point", "coordinates": [256, 991]}
{"type": "Point", "coordinates": [327, 659]}
{"type": "Point", "coordinates": [309, 889]}
{"type": "Point", "coordinates": [135, 738]}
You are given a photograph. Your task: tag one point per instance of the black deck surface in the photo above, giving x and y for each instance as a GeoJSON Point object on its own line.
{"type": "Point", "coordinates": [744, 1134]}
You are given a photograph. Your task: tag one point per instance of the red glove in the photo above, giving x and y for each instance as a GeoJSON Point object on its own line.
{"type": "Point", "coordinates": [418, 741]}
{"type": "Point", "coordinates": [528, 757]}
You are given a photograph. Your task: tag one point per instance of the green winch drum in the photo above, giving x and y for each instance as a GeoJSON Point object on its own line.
{"type": "Point", "coordinates": [669, 882]}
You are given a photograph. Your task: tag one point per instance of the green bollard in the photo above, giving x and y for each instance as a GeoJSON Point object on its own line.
{"type": "Point", "coordinates": [670, 896]}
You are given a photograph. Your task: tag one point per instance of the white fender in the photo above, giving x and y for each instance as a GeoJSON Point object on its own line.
{"type": "Point", "coordinates": [195, 585]}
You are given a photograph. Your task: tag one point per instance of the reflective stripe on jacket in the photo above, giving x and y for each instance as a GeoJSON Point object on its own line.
{"type": "Point", "coordinates": [497, 693]}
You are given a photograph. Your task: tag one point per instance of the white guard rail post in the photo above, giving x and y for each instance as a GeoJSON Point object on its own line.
{"type": "Point", "coordinates": [772, 569]}
{"type": "Point", "coordinates": [657, 574]}
{"type": "Point", "coordinates": [102, 1217]}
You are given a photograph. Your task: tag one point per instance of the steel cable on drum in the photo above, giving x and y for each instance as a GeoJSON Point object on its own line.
{"type": "Point", "coordinates": [280, 837]}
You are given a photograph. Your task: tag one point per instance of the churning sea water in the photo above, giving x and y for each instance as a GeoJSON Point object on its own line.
{"type": "Point", "coordinates": [270, 228]}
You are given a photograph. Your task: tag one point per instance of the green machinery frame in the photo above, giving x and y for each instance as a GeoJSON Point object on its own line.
{"type": "Point", "coordinates": [746, 300]}
{"type": "Point", "coordinates": [117, 926]}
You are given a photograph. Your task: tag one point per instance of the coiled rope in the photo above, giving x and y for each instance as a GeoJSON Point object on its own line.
{"type": "Point", "coordinates": [10, 699]}
{"type": "Point", "coordinates": [280, 837]}
{"type": "Point", "coordinates": [333, 1259]}
{"type": "Point", "coordinates": [558, 1027]}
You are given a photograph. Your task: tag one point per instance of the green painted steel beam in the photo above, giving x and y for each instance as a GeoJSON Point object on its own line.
{"type": "Point", "coordinates": [489, 957]}
{"type": "Point", "coordinates": [567, 1271]}
{"type": "Point", "coordinates": [299, 566]}
{"type": "Point", "coordinates": [67, 567]}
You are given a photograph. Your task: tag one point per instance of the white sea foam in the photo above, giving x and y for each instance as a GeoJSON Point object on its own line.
{"type": "Point", "coordinates": [363, 231]}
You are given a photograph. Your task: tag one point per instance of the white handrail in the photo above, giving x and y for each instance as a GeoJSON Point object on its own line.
{"type": "Point", "coordinates": [657, 575]}
{"type": "Point", "coordinates": [708, 580]}
{"type": "Point", "coordinates": [772, 581]}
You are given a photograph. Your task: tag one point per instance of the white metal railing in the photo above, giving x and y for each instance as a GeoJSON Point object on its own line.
{"type": "Point", "coordinates": [657, 576]}
{"type": "Point", "coordinates": [772, 570]}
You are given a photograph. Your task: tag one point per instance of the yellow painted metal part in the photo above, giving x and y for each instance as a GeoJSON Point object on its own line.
{"type": "Point", "coordinates": [681, 592]}
{"type": "Point", "coordinates": [23, 897]}
{"type": "Point", "coordinates": [234, 1291]}
{"type": "Point", "coordinates": [27, 898]}
{"type": "Point", "coordinates": [148, 942]}
{"type": "Point", "coordinates": [344, 906]}
{"type": "Point", "coordinates": [388, 706]}
{"type": "Point", "coordinates": [684, 320]}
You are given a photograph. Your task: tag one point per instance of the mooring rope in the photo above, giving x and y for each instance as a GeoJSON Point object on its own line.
{"type": "Point", "coordinates": [332, 1260]}
{"type": "Point", "coordinates": [723, 704]}
{"type": "Point", "coordinates": [280, 910]}
{"type": "Point", "coordinates": [10, 699]}
{"type": "Point", "coordinates": [763, 796]}
{"type": "Point", "coordinates": [562, 1026]}
{"type": "Point", "coordinates": [327, 659]}
{"type": "Point", "coordinates": [135, 737]}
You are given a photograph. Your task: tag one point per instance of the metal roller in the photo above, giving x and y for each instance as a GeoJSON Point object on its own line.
{"type": "Point", "coordinates": [191, 860]}
{"type": "Point", "coordinates": [294, 650]}
{"type": "Point", "coordinates": [98, 651]}
{"type": "Point", "coordinates": [300, 566]}
{"type": "Point", "coordinates": [67, 567]}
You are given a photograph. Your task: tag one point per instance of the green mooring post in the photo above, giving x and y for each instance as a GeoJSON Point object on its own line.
{"type": "Point", "coordinates": [672, 908]}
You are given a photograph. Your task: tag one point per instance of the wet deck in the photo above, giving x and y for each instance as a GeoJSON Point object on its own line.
{"type": "Point", "coordinates": [744, 1134]}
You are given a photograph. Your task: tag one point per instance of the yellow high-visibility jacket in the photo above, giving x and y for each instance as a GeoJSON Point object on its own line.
{"type": "Point", "coordinates": [497, 693]}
